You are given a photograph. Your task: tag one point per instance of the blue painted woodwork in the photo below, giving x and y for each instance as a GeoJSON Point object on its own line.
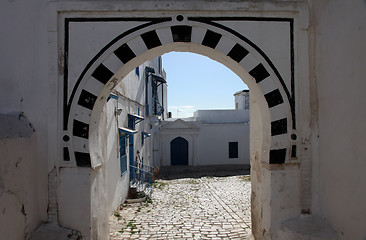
{"type": "Point", "coordinates": [131, 125]}
{"type": "Point", "coordinates": [122, 150]}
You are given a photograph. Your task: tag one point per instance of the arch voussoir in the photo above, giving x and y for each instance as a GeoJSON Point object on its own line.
{"type": "Point", "coordinates": [124, 52]}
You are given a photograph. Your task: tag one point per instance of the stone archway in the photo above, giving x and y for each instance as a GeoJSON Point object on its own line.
{"type": "Point", "coordinates": [274, 144]}
{"type": "Point", "coordinates": [104, 71]}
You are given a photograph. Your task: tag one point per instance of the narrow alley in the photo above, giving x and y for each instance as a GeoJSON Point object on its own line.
{"type": "Point", "coordinates": [188, 208]}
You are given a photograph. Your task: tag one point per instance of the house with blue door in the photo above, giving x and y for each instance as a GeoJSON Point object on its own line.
{"type": "Point", "coordinates": [210, 137]}
{"type": "Point", "coordinates": [129, 120]}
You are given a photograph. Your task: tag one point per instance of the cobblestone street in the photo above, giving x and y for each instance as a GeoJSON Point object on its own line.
{"type": "Point", "coordinates": [188, 208]}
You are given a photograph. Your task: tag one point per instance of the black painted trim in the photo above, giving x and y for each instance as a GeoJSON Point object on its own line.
{"type": "Point", "coordinates": [279, 127]}
{"type": "Point", "coordinates": [87, 99]}
{"type": "Point", "coordinates": [292, 52]}
{"type": "Point", "coordinates": [102, 74]}
{"type": "Point", "coordinates": [290, 96]}
{"type": "Point", "coordinates": [181, 33]}
{"type": "Point", "coordinates": [124, 53]}
{"type": "Point", "coordinates": [67, 104]}
{"type": "Point", "coordinates": [238, 52]}
{"type": "Point", "coordinates": [293, 151]}
{"type": "Point", "coordinates": [277, 156]}
{"type": "Point", "coordinates": [259, 19]}
{"type": "Point", "coordinates": [273, 98]}
{"type": "Point", "coordinates": [82, 159]}
{"type": "Point", "coordinates": [66, 154]}
{"type": "Point", "coordinates": [80, 129]}
{"type": "Point", "coordinates": [211, 39]}
{"type": "Point", "coordinates": [151, 39]}
{"type": "Point", "coordinates": [259, 73]}
{"type": "Point", "coordinates": [66, 107]}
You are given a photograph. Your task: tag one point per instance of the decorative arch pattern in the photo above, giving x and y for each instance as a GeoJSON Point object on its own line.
{"type": "Point", "coordinates": [150, 35]}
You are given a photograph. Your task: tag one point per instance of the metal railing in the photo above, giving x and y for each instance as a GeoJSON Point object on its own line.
{"type": "Point", "coordinates": [142, 177]}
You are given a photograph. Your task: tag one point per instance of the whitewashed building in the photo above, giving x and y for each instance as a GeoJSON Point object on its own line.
{"type": "Point", "coordinates": [303, 61]}
{"type": "Point", "coordinates": [210, 137]}
{"type": "Point", "coordinates": [128, 119]}
{"type": "Point", "coordinates": [242, 99]}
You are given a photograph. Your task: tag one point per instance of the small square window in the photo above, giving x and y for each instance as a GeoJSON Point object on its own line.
{"type": "Point", "coordinates": [233, 149]}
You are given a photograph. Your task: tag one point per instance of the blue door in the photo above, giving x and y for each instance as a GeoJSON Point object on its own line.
{"type": "Point", "coordinates": [179, 151]}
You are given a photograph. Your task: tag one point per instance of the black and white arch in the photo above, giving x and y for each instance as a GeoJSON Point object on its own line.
{"type": "Point", "coordinates": [103, 67]}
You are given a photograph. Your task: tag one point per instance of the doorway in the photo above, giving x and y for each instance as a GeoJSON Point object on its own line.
{"type": "Point", "coordinates": [223, 37]}
{"type": "Point", "coordinates": [179, 151]}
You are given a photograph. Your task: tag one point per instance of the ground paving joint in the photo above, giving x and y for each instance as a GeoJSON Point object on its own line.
{"type": "Point", "coordinates": [188, 208]}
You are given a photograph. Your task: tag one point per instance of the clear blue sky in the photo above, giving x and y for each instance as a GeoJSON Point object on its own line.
{"type": "Point", "coordinates": [196, 82]}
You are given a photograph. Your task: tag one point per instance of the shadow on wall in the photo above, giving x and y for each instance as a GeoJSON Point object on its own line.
{"type": "Point", "coordinates": [177, 172]}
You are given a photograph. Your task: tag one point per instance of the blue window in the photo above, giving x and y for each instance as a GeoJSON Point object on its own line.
{"type": "Point", "coordinates": [137, 70]}
{"type": "Point", "coordinates": [122, 150]}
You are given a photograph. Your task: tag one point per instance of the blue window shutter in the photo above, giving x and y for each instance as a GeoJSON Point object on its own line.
{"type": "Point", "coordinates": [123, 156]}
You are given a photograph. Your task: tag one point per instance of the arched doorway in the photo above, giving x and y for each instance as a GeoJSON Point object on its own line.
{"type": "Point", "coordinates": [179, 151]}
{"type": "Point", "coordinates": [274, 137]}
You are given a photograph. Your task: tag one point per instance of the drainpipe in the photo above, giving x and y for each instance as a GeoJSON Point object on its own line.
{"type": "Point", "coordinates": [162, 99]}
{"type": "Point", "coordinates": [148, 71]}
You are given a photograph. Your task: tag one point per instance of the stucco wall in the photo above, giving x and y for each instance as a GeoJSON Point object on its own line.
{"type": "Point", "coordinates": [101, 190]}
{"type": "Point", "coordinates": [74, 205]}
{"type": "Point", "coordinates": [29, 84]}
{"type": "Point", "coordinates": [208, 144]}
{"type": "Point", "coordinates": [109, 188]}
{"type": "Point", "coordinates": [222, 116]}
{"type": "Point", "coordinates": [339, 36]}
{"type": "Point", "coordinates": [248, 65]}
{"type": "Point", "coordinates": [25, 87]}
{"type": "Point", "coordinates": [165, 147]}
{"type": "Point", "coordinates": [113, 186]}
{"type": "Point", "coordinates": [213, 144]}
{"type": "Point", "coordinates": [23, 188]}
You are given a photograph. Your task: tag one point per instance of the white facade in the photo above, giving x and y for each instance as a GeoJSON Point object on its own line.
{"type": "Point", "coordinates": [117, 114]}
{"type": "Point", "coordinates": [110, 186]}
{"type": "Point", "coordinates": [209, 134]}
{"type": "Point", "coordinates": [317, 46]}
{"type": "Point", "coordinates": [242, 99]}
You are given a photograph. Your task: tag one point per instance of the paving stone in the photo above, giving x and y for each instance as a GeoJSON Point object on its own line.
{"type": "Point", "coordinates": [189, 208]}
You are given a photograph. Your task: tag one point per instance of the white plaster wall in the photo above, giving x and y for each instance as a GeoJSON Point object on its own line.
{"type": "Point", "coordinates": [109, 188]}
{"type": "Point", "coordinates": [337, 73]}
{"type": "Point", "coordinates": [75, 204]}
{"type": "Point", "coordinates": [338, 45]}
{"type": "Point", "coordinates": [240, 100]}
{"type": "Point", "coordinates": [208, 144]}
{"type": "Point", "coordinates": [259, 148]}
{"type": "Point", "coordinates": [25, 87]}
{"type": "Point", "coordinates": [222, 116]}
{"type": "Point", "coordinates": [213, 144]}
{"type": "Point", "coordinates": [282, 185]}
{"type": "Point", "coordinates": [165, 147]}
{"type": "Point", "coordinates": [113, 186]}
{"type": "Point", "coordinates": [23, 181]}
